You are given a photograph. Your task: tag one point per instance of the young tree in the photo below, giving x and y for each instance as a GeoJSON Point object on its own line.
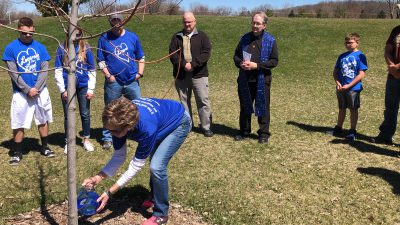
{"type": "Point", "coordinates": [70, 23]}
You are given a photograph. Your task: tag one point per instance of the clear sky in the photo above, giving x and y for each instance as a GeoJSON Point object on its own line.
{"type": "Point", "coordinates": [21, 5]}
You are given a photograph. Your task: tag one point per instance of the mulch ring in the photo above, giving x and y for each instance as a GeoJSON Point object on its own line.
{"type": "Point", "coordinates": [118, 211]}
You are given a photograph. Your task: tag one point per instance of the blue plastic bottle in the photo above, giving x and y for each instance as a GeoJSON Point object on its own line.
{"type": "Point", "coordinates": [86, 201]}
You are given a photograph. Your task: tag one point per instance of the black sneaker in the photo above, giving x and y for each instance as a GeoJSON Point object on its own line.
{"type": "Point", "coordinates": [107, 145]}
{"type": "Point", "coordinates": [352, 135]}
{"type": "Point", "coordinates": [241, 136]}
{"type": "Point", "coordinates": [208, 133]}
{"type": "Point", "coordinates": [263, 140]}
{"type": "Point", "coordinates": [337, 131]}
{"type": "Point", "coordinates": [238, 137]}
{"type": "Point", "coordinates": [15, 160]}
{"type": "Point", "coordinates": [46, 151]}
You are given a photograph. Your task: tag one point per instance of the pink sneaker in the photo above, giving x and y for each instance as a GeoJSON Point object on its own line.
{"type": "Point", "coordinates": [156, 220]}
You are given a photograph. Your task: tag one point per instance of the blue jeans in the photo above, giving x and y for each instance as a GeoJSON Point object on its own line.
{"type": "Point", "coordinates": [392, 99]}
{"type": "Point", "coordinates": [84, 111]}
{"type": "Point", "coordinates": [112, 91]}
{"type": "Point", "coordinates": [159, 163]}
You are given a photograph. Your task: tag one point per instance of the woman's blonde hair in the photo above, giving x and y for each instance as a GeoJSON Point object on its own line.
{"type": "Point", "coordinates": [120, 113]}
{"type": "Point", "coordinates": [83, 45]}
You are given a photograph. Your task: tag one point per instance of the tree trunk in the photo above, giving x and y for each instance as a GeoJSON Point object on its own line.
{"type": "Point", "coordinates": [71, 117]}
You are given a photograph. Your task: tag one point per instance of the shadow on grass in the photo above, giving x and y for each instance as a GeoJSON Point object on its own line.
{"type": "Point", "coordinates": [42, 184]}
{"type": "Point", "coordinates": [223, 130]}
{"type": "Point", "coordinates": [325, 130]}
{"type": "Point", "coordinates": [125, 199]}
{"type": "Point", "coordinates": [28, 145]}
{"type": "Point", "coordinates": [32, 144]}
{"type": "Point", "coordinates": [365, 147]}
{"type": "Point", "coordinates": [390, 176]}
{"type": "Point", "coordinates": [97, 133]}
{"type": "Point", "coordinates": [358, 144]}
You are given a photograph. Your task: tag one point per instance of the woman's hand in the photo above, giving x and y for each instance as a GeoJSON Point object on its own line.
{"type": "Point", "coordinates": [64, 96]}
{"type": "Point", "coordinates": [91, 182]}
{"type": "Point", "coordinates": [89, 96]}
{"type": "Point", "coordinates": [103, 199]}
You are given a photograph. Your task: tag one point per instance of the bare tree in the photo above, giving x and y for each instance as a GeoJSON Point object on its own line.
{"type": "Point", "coordinates": [262, 8]}
{"type": "Point", "coordinates": [98, 6]}
{"type": "Point", "coordinates": [200, 9]}
{"type": "Point", "coordinates": [243, 11]}
{"type": "Point", "coordinates": [222, 11]}
{"type": "Point", "coordinates": [5, 7]}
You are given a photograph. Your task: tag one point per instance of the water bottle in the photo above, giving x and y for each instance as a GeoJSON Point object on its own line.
{"type": "Point", "coordinates": [86, 201]}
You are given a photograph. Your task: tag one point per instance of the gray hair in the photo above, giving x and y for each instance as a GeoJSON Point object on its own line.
{"type": "Point", "coordinates": [263, 16]}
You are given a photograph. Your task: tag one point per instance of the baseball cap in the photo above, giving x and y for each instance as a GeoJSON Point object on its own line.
{"type": "Point", "coordinates": [115, 16]}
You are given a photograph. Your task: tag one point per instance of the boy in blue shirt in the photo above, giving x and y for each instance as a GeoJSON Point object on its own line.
{"type": "Point", "coordinates": [118, 52]}
{"type": "Point", "coordinates": [27, 61]}
{"type": "Point", "coordinates": [349, 70]}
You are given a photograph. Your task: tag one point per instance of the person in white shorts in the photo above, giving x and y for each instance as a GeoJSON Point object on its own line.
{"type": "Point", "coordinates": [27, 61]}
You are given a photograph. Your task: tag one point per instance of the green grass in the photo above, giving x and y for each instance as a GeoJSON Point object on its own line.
{"type": "Point", "coordinates": [303, 176]}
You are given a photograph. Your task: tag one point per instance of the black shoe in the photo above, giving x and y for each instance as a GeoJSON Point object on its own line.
{"type": "Point", "coordinates": [352, 135]}
{"type": "Point", "coordinates": [46, 151]}
{"type": "Point", "coordinates": [208, 133]}
{"type": "Point", "coordinates": [337, 131]}
{"type": "Point", "coordinates": [15, 160]}
{"type": "Point", "coordinates": [107, 145]}
{"type": "Point", "coordinates": [380, 140]}
{"type": "Point", "coordinates": [238, 137]}
{"type": "Point", "coordinates": [263, 140]}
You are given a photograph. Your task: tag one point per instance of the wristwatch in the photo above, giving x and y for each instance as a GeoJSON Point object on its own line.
{"type": "Point", "coordinates": [141, 75]}
{"type": "Point", "coordinates": [108, 193]}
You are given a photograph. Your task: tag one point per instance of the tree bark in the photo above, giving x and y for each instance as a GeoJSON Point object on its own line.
{"type": "Point", "coordinates": [71, 117]}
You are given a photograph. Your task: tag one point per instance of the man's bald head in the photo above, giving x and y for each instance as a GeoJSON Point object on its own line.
{"type": "Point", "coordinates": [189, 22]}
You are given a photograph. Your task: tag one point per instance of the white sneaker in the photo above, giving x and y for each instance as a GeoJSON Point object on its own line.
{"type": "Point", "coordinates": [66, 149]}
{"type": "Point", "coordinates": [88, 146]}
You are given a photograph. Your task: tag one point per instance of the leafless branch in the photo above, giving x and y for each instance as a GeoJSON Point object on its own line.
{"type": "Point", "coordinates": [123, 22]}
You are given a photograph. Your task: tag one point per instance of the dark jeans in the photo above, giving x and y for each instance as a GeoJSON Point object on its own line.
{"type": "Point", "coordinates": [263, 121]}
{"type": "Point", "coordinates": [392, 99]}
{"type": "Point", "coordinates": [112, 91]}
{"type": "Point", "coordinates": [84, 111]}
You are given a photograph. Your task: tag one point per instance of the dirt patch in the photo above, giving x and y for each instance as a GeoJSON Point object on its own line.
{"type": "Point", "coordinates": [118, 212]}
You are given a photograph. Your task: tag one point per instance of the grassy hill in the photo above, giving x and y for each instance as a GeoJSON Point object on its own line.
{"type": "Point", "coordinates": [303, 176]}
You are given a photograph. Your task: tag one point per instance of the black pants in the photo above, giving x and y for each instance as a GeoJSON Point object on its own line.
{"type": "Point", "coordinates": [264, 120]}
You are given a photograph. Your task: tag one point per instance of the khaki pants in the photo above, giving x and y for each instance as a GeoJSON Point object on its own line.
{"type": "Point", "coordinates": [200, 89]}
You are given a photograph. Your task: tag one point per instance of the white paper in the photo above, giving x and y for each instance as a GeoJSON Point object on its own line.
{"type": "Point", "coordinates": [246, 56]}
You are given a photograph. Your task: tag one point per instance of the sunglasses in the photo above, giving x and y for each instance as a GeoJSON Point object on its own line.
{"type": "Point", "coordinates": [26, 33]}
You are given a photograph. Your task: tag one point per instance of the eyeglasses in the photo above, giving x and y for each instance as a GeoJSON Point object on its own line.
{"type": "Point", "coordinates": [257, 24]}
{"type": "Point", "coordinates": [350, 42]}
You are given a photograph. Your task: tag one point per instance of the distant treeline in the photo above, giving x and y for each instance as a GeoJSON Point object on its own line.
{"type": "Point", "coordinates": [325, 9]}
{"type": "Point", "coordinates": [343, 9]}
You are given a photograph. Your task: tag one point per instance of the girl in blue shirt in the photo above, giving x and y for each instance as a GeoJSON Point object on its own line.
{"type": "Point", "coordinates": [85, 84]}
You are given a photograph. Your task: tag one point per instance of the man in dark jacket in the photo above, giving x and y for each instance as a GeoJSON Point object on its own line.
{"type": "Point", "coordinates": [255, 56]}
{"type": "Point", "coordinates": [190, 69]}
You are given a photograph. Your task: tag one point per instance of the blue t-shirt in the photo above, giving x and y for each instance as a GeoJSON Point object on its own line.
{"type": "Point", "coordinates": [82, 69]}
{"type": "Point", "coordinates": [349, 65]}
{"type": "Point", "coordinates": [157, 119]}
{"type": "Point", "coordinates": [119, 54]}
{"type": "Point", "coordinates": [28, 58]}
